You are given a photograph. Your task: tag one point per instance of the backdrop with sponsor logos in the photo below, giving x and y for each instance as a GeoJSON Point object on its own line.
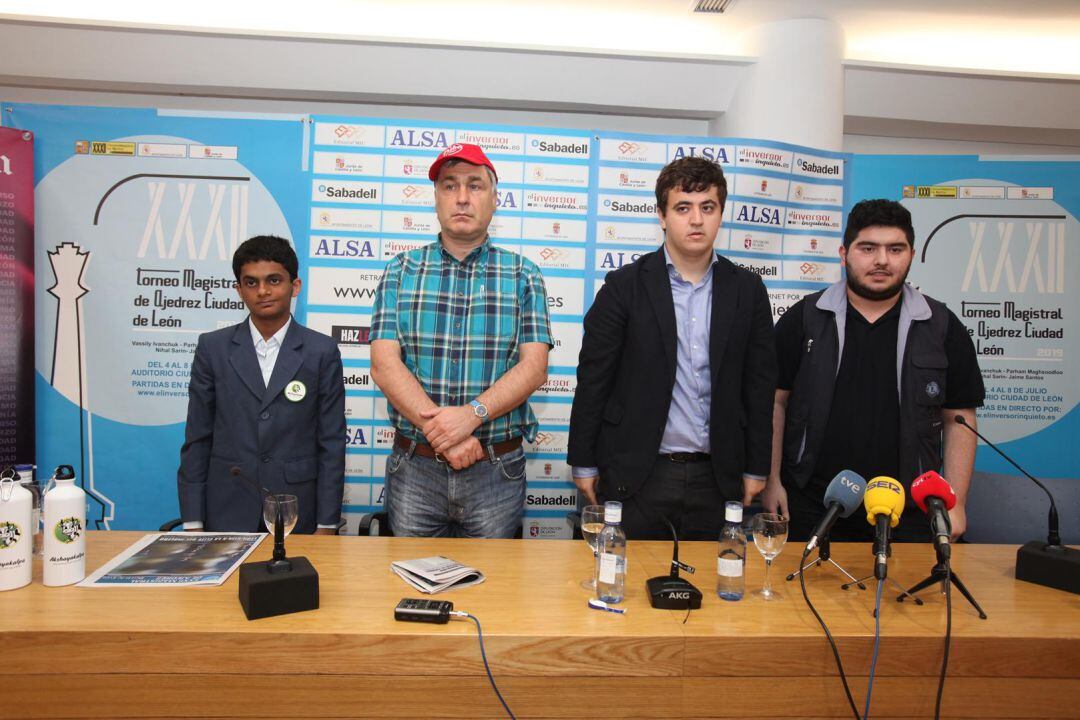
{"type": "Point", "coordinates": [995, 240]}
{"type": "Point", "coordinates": [139, 210]}
{"type": "Point", "coordinates": [579, 204]}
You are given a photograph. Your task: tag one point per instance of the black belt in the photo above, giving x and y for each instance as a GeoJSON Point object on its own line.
{"type": "Point", "coordinates": [686, 457]}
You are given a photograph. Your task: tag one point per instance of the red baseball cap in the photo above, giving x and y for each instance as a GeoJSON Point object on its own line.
{"type": "Point", "coordinates": [465, 152]}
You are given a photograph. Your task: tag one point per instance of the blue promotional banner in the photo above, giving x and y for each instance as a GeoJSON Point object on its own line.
{"type": "Point", "coordinates": [993, 241]}
{"type": "Point", "coordinates": [139, 212]}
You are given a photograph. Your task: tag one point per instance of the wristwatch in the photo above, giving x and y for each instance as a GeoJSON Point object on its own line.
{"type": "Point", "coordinates": [479, 409]}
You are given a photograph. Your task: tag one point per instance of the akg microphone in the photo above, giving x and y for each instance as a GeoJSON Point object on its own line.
{"type": "Point", "coordinates": [884, 502]}
{"type": "Point", "coordinates": [671, 592]}
{"type": "Point", "coordinates": [1051, 563]}
{"type": "Point", "coordinates": [281, 585]}
{"type": "Point", "coordinates": [935, 497]}
{"type": "Point", "coordinates": [843, 497]}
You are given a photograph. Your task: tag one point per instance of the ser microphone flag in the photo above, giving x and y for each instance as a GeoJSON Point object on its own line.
{"type": "Point", "coordinates": [884, 502]}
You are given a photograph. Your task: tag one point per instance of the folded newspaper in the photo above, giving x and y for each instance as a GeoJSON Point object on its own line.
{"type": "Point", "coordinates": [434, 574]}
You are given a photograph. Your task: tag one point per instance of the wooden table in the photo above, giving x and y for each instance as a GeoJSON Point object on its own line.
{"type": "Point", "coordinates": [148, 652]}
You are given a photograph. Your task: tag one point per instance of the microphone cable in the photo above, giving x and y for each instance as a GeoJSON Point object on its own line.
{"type": "Point", "coordinates": [480, 634]}
{"type": "Point", "coordinates": [828, 635]}
{"type": "Point", "coordinates": [948, 639]}
{"type": "Point", "coordinates": [877, 645]}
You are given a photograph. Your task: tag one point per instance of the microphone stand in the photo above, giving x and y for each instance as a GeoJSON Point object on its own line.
{"type": "Point", "coordinates": [824, 554]}
{"type": "Point", "coordinates": [938, 575]}
{"type": "Point", "coordinates": [888, 552]}
{"type": "Point", "coordinates": [279, 563]}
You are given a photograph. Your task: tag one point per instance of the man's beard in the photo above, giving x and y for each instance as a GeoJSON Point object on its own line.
{"type": "Point", "coordinates": [870, 294]}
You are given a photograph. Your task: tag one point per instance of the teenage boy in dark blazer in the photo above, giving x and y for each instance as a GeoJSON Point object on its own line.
{"type": "Point", "coordinates": [673, 409]}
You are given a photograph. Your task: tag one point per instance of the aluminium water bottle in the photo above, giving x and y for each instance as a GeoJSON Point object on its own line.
{"type": "Point", "coordinates": [65, 530]}
{"type": "Point", "coordinates": [731, 555]}
{"type": "Point", "coordinates": [25, 475]}
{"type": "Point", "coordinates": [16, 535]}
{"type": "Point", "coordinates": [611, 556]}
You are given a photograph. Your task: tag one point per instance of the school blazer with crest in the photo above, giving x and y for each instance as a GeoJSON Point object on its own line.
{"type": "Point", "coordinates": [284, 444]}
{"type": "Point", "coordinates": [626, 375]}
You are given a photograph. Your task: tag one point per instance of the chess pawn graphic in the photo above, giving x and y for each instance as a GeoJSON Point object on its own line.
{"type": "Point", "coordinates": [68, 262]}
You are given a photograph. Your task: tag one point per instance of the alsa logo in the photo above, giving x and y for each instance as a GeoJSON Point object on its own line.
{"type": "Point", "coordinates": [354, 437]}
{"type": "Point", "coordinates": [418, 138]}
{"type": "Point", "coordinates": [344, 248]}
{"type": "Point", "coordinates": [716, 153]}
{"type": "Point", "coordinates": [614, 260]}
{"type": "Point", "coordinates": [351, 335]}
{"type": "Point", "coordinates": [506, 199]}
{"type": "Point", "coordinates": [759, 215]}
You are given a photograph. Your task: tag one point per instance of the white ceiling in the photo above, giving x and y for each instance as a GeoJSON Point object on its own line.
{"type": "Point", "coordinates": [1028, 37]}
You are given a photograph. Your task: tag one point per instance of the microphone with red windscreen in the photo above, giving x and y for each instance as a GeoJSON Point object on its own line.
{"type": "Point", "coordinates": [935, 497]}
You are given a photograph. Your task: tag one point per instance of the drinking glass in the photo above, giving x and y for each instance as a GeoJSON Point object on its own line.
{"type": "Point", "coordinates": [289, 509]}
{"type": "Point", "coordinates": [770, 533]}
{"type": "Point", "coordinates": [592, 522]}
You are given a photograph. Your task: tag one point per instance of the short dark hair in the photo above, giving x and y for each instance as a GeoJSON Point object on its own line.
{"type": "Point", "coordinates": [690, 174]}
{"type": "Point", "coordinates": [266, 247]}
{"type": "Point", "coordinates": [878, 213]}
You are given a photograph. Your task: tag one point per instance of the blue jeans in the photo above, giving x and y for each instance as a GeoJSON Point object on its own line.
{"type": "Point", "coordinates": [429, 498]}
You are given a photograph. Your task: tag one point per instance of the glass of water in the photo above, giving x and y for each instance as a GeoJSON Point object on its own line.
{"type": "Point", "coordinates": [592, 522]}
{"type": "Point", "coordinates": [289, 512]}
{"type": "Point", "coordinates": [770, 533]}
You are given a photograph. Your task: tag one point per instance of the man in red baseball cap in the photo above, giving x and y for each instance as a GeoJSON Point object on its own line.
{"type": "Point", "coordinates": [459, 341]}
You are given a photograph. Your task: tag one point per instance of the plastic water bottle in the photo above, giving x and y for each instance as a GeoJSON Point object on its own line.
{"type": "Point", "coordinates": [65, 530]}
{"type": "Point", "coordinates": [731, 555]}
{"type": "Point", "coordinates": [16, 535]}
{"type": "Point", "coordinates": [611, 556]}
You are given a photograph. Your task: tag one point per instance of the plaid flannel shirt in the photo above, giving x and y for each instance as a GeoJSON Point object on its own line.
{"type": "Point", "coordinates": [459, 324]}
